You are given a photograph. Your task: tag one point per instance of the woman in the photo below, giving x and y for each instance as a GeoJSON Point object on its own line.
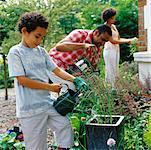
{"type": "Point", "coordinates": [111, 48]}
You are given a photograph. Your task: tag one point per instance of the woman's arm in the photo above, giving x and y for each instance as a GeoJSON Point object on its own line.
{"type": "Point", "coordinates": [121, 40]}
{"type": "Point", "coordinates": [33, 84]}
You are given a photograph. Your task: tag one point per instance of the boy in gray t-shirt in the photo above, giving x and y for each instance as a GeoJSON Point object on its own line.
{"type": "Point", "coordinates": [30, 65]}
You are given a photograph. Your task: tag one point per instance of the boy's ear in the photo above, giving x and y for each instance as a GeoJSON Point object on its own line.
{"type": "Point", "coordinates": [23, 30]}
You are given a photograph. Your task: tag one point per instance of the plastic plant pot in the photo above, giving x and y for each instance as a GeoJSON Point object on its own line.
{"type": "Point", "coordinates": [101, 130]}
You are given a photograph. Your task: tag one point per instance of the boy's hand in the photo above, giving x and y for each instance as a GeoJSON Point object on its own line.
{"type": "Point", "coordinates": [80, 83]}
{"type": "Point", "coordinates": [55, 87]}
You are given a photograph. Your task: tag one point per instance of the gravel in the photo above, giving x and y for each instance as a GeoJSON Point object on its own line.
{"type": "Point", "coordinates": [8, 113]}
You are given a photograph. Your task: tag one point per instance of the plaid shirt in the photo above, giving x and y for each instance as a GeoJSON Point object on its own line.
{"type": "Point", "coordinates": [64, 59]}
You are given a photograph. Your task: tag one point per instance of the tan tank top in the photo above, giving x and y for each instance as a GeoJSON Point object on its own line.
{"type": "Point", "coordinates": [115, 35]}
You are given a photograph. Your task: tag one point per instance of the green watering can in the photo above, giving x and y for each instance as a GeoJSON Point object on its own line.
{"type": "Point", "coordinates": [66, 102]}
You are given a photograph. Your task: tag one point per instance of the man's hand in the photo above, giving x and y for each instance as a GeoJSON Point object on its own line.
{"type": "Point", "coordinates": [80, 83]}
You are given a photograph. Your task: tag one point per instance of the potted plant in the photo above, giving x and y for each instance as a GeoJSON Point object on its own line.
{"type": "Point", "coordinates": [98, 105]}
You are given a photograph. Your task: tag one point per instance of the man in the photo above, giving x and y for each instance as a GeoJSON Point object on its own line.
{"type": "Point", "coordinates": [80, 44]}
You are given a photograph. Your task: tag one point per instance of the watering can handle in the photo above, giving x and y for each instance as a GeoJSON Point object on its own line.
{"type": "Point", "coordinates": [66, 86]}
{"type": "Point", "coordinates": [63, 84]}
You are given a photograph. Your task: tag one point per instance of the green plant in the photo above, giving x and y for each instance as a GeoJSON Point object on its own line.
{"type": "Point", "coordinates": [78, 121]}
{"type": "Point", "coordinates": [134, 130]}
{"type": "Point", "coordinates": [8, 142]}
{"type": "Point", "coordinates": [147, 133]}
{"type": "Point", "coordinates": [14, 38]}
{"type": "Point", "coordinates": [133, 48]}
{"type": "Point", "coordinates": [133, 99]}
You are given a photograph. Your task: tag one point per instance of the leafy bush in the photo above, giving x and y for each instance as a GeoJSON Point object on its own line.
{"type": "Point", "coordinates": [134, 129]}
{"type": "Point", "coordinates": [9, 80]}
{"type": "Point", "coordinates": [14, 37]}
{"type": "Point", "coordinates": [147, 133]}
{"type": "Point", "coordinates": [67, 15]}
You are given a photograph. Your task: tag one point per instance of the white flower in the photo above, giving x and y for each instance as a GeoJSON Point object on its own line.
{"type": "Point", "coordinates": [111, 142]}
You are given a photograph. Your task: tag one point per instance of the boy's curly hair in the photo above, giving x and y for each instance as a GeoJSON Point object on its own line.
{"type": "Point", "coordinates": [31, 21]}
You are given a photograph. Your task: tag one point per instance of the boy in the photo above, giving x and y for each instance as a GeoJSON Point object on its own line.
{"type": "Point", "coordinates": [30, 65]}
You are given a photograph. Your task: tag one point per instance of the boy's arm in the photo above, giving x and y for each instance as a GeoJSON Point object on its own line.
{"type": "Point", "coordinates": [33, 84]}
{"type": "Point", "coordinates": [77, 81]}
{"type": "Point", "coordinates": [63, 74]}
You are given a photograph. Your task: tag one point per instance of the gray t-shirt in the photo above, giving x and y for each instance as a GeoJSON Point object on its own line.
{"type": "Point", "coordinates": [36, 64]}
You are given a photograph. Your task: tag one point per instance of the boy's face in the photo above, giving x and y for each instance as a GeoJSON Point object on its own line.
{"type": "Point", "coordinates": [34, 38]}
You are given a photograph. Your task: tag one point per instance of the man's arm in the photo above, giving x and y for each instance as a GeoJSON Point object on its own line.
{"type": "Point", "coordinates": [66, 46]}
{"type": "Point", "coordinates": [74, 41]}
{"type": "Point", "coordinates": [33, 84]}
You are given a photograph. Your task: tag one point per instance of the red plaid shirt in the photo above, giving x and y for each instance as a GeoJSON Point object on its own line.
{"type": "Point", "coordinates": [63, 59]}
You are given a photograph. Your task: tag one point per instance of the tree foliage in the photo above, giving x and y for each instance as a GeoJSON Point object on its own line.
{"type": "Point", "coordinates": [64, 16]}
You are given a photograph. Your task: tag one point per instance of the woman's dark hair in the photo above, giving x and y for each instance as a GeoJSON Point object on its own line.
{"type": "Point", "coordinates": [31, 21]}
{"type": "Point", "coordinates": [108, 13]}
{"type": "Point", "coordinates": [104, 28]}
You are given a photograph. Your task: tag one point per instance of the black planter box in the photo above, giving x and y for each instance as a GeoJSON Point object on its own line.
{"type": "Point", "coordinates": [97, 133]}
